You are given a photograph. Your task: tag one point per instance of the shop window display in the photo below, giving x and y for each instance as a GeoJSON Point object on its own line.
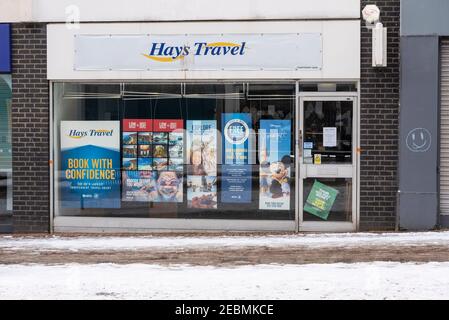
{"type": "Point", "coordinates": [185, 150]}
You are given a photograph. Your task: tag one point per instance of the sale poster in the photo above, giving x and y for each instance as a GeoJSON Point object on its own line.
{"type": "Point", "coordinates": [274, 159]}
{"type": "Point", "coordinates": [320, 200]}
{"type": "Point", "coordinates": [202, 164]}
{"type": "Point", "coordinates": [90, 164]}
{"type": "Point", "coordinates": [236, 170]}
{"type": "Point", "coordinates": [153, 146]}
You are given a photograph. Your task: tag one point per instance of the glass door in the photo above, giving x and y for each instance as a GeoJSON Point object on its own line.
{"type": "Point", "coordinates": [327, 140]}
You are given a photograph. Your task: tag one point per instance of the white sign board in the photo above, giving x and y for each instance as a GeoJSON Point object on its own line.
{"type": "Point", "coordinates": [191, 52]}
{"type": "Point", "coordinates": [329, 137]}
{"type": "Point", "coordinates": [102, 134]}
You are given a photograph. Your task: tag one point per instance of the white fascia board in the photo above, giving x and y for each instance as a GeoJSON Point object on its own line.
{"type": "Point", "coordinates": [341, 49]}
{"type": "Point", "coordinates": [16, 11]}
{"type": "Point", "coordinates": [175, 10]}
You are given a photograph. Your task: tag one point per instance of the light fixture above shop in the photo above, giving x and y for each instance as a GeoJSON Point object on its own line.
{"type": "Point", "coordinates": [371, 15]}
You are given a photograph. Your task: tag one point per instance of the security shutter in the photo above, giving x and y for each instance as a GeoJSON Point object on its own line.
{"type": "Point", "coordinates": [444, 131]}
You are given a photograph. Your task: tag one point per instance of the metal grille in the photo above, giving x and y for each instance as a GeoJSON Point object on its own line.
{"type": "Point", "coordinates": [444, 133]}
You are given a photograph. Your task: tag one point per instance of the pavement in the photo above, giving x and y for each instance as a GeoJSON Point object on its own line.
{"type": "Point", "coordinates": [203, 249]}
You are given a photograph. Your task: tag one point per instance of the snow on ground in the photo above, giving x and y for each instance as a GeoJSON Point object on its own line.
{"type": "Point", "coordinates": [378, 280]}
{"type": "Point", "coordinates": [180, 242]}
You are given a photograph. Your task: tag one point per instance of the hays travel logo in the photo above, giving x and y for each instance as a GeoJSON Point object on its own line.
{"type": "Point", "coordinates": [79, 134]}
{"type": "Point", "coordinates": [161, 52]}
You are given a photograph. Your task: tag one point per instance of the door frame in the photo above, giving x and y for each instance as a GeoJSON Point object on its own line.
{"type": "Point", "coordinates": [326, 226]}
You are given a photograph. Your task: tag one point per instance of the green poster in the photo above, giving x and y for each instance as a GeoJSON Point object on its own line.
{"type": "Point", "coordinates": [321, 199]}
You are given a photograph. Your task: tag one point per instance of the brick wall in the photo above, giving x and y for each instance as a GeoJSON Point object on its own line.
{"type": "Point", "coordinates": [379, 130]}
{"type": "Point", "coordinates": [30, 129]}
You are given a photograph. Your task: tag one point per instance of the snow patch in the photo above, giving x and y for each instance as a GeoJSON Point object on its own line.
{"type": "Point", "coordinates": [378, 280]}
{"type": "Point", "coordinates": [195, 242]}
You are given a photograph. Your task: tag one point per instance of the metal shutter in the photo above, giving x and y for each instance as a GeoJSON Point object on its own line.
{"type": "Point", "coordinates": [444, 129]}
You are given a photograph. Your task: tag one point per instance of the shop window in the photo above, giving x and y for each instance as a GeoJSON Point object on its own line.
{"type": "Point", "coordinates": [282, 91]}
{"type": "Point", "coordinates": [212, 150]}
{"type": "Point", "coordinates": [328, 87]}
{"type": "Point", "coordinates": [5, 145]}
{"type": "Point", "coordinates": [324, 119]}
{"type": "Point", "coordinates": [90, 91]}
{"type": "Point", "coordinates": [215, 91]}
{"type": "Point", "coordinates": [144, 91]}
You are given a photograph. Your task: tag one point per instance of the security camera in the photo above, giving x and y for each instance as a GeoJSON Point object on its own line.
{"type": "Point", "coordinates": [371, 15]}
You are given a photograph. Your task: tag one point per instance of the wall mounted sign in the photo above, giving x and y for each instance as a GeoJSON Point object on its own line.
{"type": "Point", "coordinates": [5, 48]}
{"type": "Point", "coordinates": [190, 52]}
{"type": "Point", "coordinates": [90, 164]}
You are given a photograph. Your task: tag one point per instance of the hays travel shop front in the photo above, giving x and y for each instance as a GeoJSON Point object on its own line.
{"type": "Point", "coordinates": [204, 126]}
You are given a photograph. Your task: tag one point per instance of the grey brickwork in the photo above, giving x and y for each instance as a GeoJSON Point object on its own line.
{"type": "Point", "coordinates": [30, 128]}
{"type": "Point", "coordinates": [379, 125]}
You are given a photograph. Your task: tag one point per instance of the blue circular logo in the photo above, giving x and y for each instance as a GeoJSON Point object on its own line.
{"type": "Point", "coordinates": [236, 131]}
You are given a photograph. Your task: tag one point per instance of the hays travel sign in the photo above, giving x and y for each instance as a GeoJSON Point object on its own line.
{"type": "Point", "coordinates": [194, 52]}
{"type": "Point", "coordinates": [161, 52]}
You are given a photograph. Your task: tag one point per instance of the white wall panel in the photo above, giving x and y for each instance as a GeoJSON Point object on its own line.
{"type": "Point", "coordinates": [175, 10]}
{"type": "Point", "coordinates": [16, 10]}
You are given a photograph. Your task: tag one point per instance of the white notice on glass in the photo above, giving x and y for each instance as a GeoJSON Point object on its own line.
{"type": "Point", "coordinates": [329, 137]}
{"type": "Point", "coordinates": [307, 153]}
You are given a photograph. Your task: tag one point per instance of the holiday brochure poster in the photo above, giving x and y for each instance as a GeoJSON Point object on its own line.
{"type": "Point", "coordinates": [202, 164]}
{"type": "Point", "coordinates": [275, 166]}
{"type": "Point", "coordinates": [90, 164]}
{"type": "Point", "coordinates": [237, 148]}
{"type": "Point", "coordinates": [152, 160]}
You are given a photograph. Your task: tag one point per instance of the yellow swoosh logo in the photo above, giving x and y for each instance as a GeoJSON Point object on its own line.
{"type": "Point", "coordinates": [162, 59]}
{"type": "Point", "coordinates": [74, 137]}
{"type": "Point", "coordinates": [222, 44]}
